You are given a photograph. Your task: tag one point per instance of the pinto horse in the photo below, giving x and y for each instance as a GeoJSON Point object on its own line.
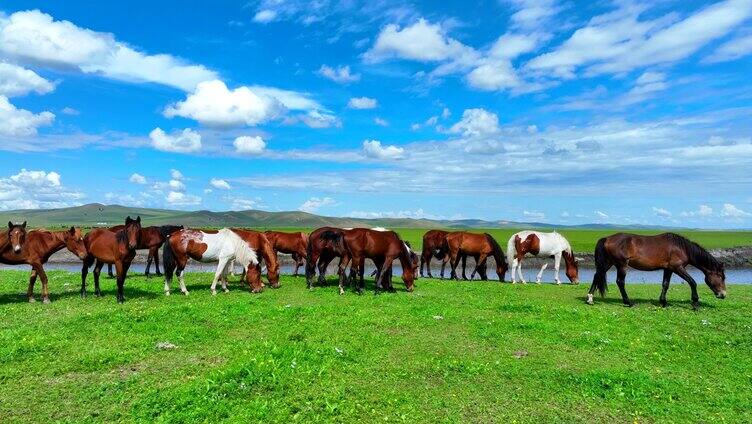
{"type": "Point", "coordinates": [152, 238]}
{"type": "Point", "coordinates": [668, 251]}
{"type": "Point", "coordinates": [13, 237]}
{"type": "Point", "coordinates": [479, 246]}
{"type": "Point", "coordinates": [107, 247]}
{"type": "Point", "coordinates": [382, 247]}
{"type": "Point", "coordinates": [323, 247]}
{"type": "Point", "coordinates": [209, 246]}
{"type": "Point", "coordinates": [541, 244]}
{"type": "Point", "coordinates": [295, 244]}
{"type": "Point", "coordinates": [38, 248]}
{"type": "Point", "coordinates": [433, 246]}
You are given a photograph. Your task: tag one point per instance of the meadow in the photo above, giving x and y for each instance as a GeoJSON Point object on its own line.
{"type": "Point", "coordinates": [448, 352]}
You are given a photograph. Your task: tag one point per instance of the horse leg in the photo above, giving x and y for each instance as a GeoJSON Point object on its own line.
{"type": "Point", "coordinates": [600, 276]}
{"type": "Point", "coordinates": [420, 269]}
{"type": "Point", "coordinates": [181, 279]}
{"type": "Point", "coordinates": [384, 269]}
{"type": "Point", "coordinates": [444, 261]}
{"type": "Point", "coordinates": [154, 252]}
{"type": "Point", "coordinates": [464, 266]}
{"type": "Point", "coordinates": [84, 271]}
{"type": "Point", "coordinates": [454, 261]}
{"type": "Point", "coordinates": [519, 271]}
{"type": "Point", "coordinates": [121, 269]}
{"type": "Point", "coordinates": [218, 274]}
{"type": "Point", "coordinates": [342, 270]}
{"type": "Point", "coordinates": [621, 275]}
{"type": "Point", "coordinates": [224, 278]}
{"type": "Point", "coordinates": [666, 281]}
{"type": "Point", "coordinates": [42, 276]}
{"type": "Point", "coordinates": [97, 272]}
{"type": "Point", "coordinates": [480, 259]}
{"type": "Point", "coordinates": [149, 259]}
{"type": "Point", "coordinates": [681, 272]}
{"type": "Point", "coordinates": [557, 265]}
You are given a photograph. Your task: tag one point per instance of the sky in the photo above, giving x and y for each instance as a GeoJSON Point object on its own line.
{"type": "Point", "coordinates": [566, 112]}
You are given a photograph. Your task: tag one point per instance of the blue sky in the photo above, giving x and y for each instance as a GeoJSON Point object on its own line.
{"type": "Point", "coordinates": [527, 110]}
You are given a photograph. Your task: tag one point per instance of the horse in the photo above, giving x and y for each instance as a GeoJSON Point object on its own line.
{"type": "Point", "coordinates": [220, 246]}
{"type": "Point", "coordinates": [541, 244]}
{"type": "Point", "coordinates": [38, 247]}
{"type": "Point", "coordinates": [322, 249]}
{"type": "Point", "coordinates": [382, 247]}
{"type": "Point", "coordinates": [107, 247]}
{"type": "Point", "coordinates": [433, 243]}
{"type": "Point", "coordinates": [668, 251]}
{"type": "Point", "coordinates": [259, 242]}
{"type": "Point", "coordinates": [13, 237]}
{"type": "Point", "coordinates": [152, 238]}
{"type": "Point", "coordinates": [295, 244]}
{"type": "Point", "coordinates": [479, 246]}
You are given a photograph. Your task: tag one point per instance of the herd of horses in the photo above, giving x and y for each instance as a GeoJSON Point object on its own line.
{"type": "Point", "coordinates": [116, 246]}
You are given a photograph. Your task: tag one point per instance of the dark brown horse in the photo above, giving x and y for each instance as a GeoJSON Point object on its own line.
{"type": "Point", "coordinates": [669, 252]}
{"type": "Point", "coordinates": [433, 246]}
{"type": "Point", "coordinates": [152, 238]}
{"type": "Point", "coordinates": [480, 247]}
{"type": "Point", "coordinates": [38, 248]}
{"type": "Point", "coordinates": [106, 247]}
{"type": "Point", "coordinates": [295, 244]}
{"type": "Point", "coordinates": [382, 247]}
{"type": "Point", "coordinates": [13, 238]}
{"type": "Point", "coordinates": [322, 249]}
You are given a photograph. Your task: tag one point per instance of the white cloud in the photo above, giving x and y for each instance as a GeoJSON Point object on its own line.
{"type": "Point", "coordinates": [36, 189]}
{"type": "Point", "coordinates": [249, 145]}
{"type": "Point", "coordinates": [16, 122]}
{"type": "Point", "coordinates": [176, 185]}
{"type": "Point", "coordinates": [494, 74]}
{"type": "Point", "coordinates": [380, 122]}
{"type": "Point", "coordinates": [176, 174]}
{"type": "Point", "coordinates": [601, 215]}
{"type": "Point", "coordinates": [220, 184]}
{"type": "Point", "coordinates": [446, 113]}
{"type": "Point", "coordinates": [317, 119]}
{"type": "Point", "coordinates": [340, 74]}
{"type": "Point", "coordinates": [177, 198]}
{"type": "Point", "coordinates": [732, 50]}
{"type": "Point", "coordinates": [536, 215]}
{"type": "Point", "coordinates": [533, 14]}
{"type": "Point", "coordinates": [137, 179]}
{"type": "Point", "coordinates": [416, 214]}
{"type": "Point", "coordinates": [703, 211]}
{"type": "Point", "coordinates": [36, 38]}
{"type": "Point", "coordinates": [70, 111]}
{"type": "Point", "coordinates": [213, 104]}
{"type": "Point", "coordinates": [645, 86]}
{"type": "Point", "coordinates": [420, 41]}
{"type": "Point", "coordinates": [374, 149]}
{"type": "Point", "coordinates": [186, 141]}
{"type": "Point", "coordinates": [314, 204]}
{"type": "Point", "coordinates": [477, 123]}
{"type": "Point", "coordinates": [244, 204]}
{"type": "Point", "coordinates": [265, 16]}
{"type": "Point", "coordinates": [17, 81]}
{"type": "Point", "coordinates": [362, 103]}
{"type": "Point", "coordinates": [731, 211]}
{"type": "Point", "coordinates": [663, 213]}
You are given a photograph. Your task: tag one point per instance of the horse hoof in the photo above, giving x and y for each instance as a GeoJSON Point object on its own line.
{"type": "Point", "coordinates": [185, 292]}
{"type": "Point", "coordinates": [226, 290]}
{"type": "Point", "coordinates": [46, 300]}
{"type": "Point", "coordinates": [629, 305]}
{"type": "Point", "coordinates": [589, 300]}
{"type": "Point", "coordinates": [166, 293]}
{"type": "Point", "coordinates": [32, 300]}
{"type": "Point", "coordinates": [214, 292]}
{"type": "Point", "coordinates": [83, 295]}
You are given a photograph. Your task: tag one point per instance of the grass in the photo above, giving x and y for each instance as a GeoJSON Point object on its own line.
{"type": "Point", "coordinates": [449, 352]}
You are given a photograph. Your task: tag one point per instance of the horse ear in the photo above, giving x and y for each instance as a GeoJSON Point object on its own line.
{"type": "Point", "coordinates": [128, 219]}
{"type": "Point", "coordinates": [72, 230]}
{"type": "Point", "coordinates": [138, 219]}
{"type": "Point", "coordinates": [10, 224]}
{"type": "Point", "coordinates": [23, 225]}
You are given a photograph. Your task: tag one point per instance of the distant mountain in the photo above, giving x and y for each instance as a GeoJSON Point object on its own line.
{"type": "Point", "coordinates": [95, 214]}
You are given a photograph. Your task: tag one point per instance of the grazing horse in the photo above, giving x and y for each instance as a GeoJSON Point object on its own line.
{"type": "Point", "coordinates": [382, 247]}
{"type": "Point", "coordinates": [479, 246]}
{"type": "Point", "coordinates": [295, 244]}
{"type": "Point", "coordinates": [107, 247]}
{"type": "Point", "coordinates": [433, 243]}
{"type": "Point", "coordinates": [152, 238]}
{"type": "Point", "coordinates": [322, 249]}
{"type": "Point", "coordinates": [209, 246]}
{"type": "Point", "coordinates": [38, 248]}
{"type": "Point", "coordinates": [13, 237]}
{"type": "Point", "coordinates": [668, 251]}
{"type": "Point", "coordinates": [260, 243]}
{"type": "Point", "coordinates": [541, 244]}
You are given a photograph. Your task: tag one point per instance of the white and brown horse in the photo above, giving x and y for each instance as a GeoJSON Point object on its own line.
{"type": "Point", "coordinates": [545, 245]}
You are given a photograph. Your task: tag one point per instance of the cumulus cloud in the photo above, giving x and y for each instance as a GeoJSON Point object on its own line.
{"type": "Point", "coordinates": [20, 122]}
{"type": "Point", "coordinates": [340, 74]}
{"type": "Point", "coordinates": [17, 81]}
{"type": "Point", "coordinates": [703, 211]}
{"type": "Point", "coordinates": [661, 212]}
{"type": "Point", "coordinates": [477, 123]}
{"type": "Point", "coordinates": [137, 179]}
{"type": "Point", "coordinates": [220, 184]}
{"type": "Point", "coordinates": [178, 198]}
{"type": "Point", "coordinates": [186, 141]}
{"type": "Point", "coordinates": [249, 145]}
{"type": "Point", "coordinates": [315, 203]}
{"type": "Point", "coordinates": [34, 189]}
{"type": "Point", "coordinates": [362, 103]}
{"type": "Point", "coordinates": [374, 149]}
{"type": "Point", "coordinates": [421, 41]}
{"type": "Point", "coordinates": [731, 211]}
{"type": "Point", "coordinates": [36, 38]}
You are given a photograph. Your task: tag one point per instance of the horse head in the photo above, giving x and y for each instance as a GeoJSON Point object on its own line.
{"type": "Point", "coordinates": [16, 236]}
{"type": "Point", "coordinates": [132, 232]}
{"type": "Point", "coordinates": [74, 241]}
{"type": "Point", "coordinates": [572, 268]}
{"type": "Point", "coordinates": [716, 280]}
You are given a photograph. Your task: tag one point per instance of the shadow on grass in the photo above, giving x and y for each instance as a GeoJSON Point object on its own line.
{"type": "Point", "coordinates": [130, 293]}
{"type": "Point", "coordinates": [684, 303]}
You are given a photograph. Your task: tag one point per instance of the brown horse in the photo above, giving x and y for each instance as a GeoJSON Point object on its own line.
{"type": "Point", "coordinates": [433, 244]}
{"type": "Point", "coordinates": [479, 246]}
{"type": "Point", "coordinates": [13, 237]}
{"type": "Point", "coordinates": [107, 247]}
{"type": "Point", "coordinates": [152, 238]}
{"type": "Point", "coordinates": [260, 243]}
{"type": "Point", "coordinates": [668, 251]}
{"type": "Point", "coordinates": [322, 249]}
{"type": "Point", "coordinates": [38, 248]}
{"type": "Point", "coordinates": [382, 247]}
{"type": "Point", "coordinates": [295, 244]}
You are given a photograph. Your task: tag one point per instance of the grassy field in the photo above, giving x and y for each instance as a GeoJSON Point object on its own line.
{"type": "Point", "coordinates": [449, 352]}
{"type": "Point", "coordinates": [583, 240]}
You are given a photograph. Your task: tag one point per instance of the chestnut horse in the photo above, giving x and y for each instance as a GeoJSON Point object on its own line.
{"type": "Point", "coordinates": [13, 237]}
{"type": "Point", "coordinates": [261, 244]}
{"type": "Point", "coordinates": [382, 247]}
{"type": "Point", "coordinates": [107, 247]}
{"type": "Point", "coordinates": [38, 248]}
{"type": "Point", "coordinates": [322, 249]}
{"type": "Point", "coordinates": [433, 244]}
{"type": "Point", "coordinates": [295, 244]}
{"type": "Point", "coordinates": [668, 251]}
{"type": "Point", "coordinates": [152, 238]}
{"type": "Point", "coordinates": [479, 246]}
{"type": "Point", "coordinates": [537, 243]}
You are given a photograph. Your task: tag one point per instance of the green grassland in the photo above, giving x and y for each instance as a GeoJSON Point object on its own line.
{"type": "Point", "coordinates": [448, 352]}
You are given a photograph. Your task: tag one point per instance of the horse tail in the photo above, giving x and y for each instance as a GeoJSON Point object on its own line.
{"type": "Point", "coordinates": [168, 259]}
{"type": "Point", "coordinates": [602, 264]}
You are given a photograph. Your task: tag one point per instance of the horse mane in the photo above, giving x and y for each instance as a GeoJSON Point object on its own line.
{"type": "Point", "coordinates": [166, 230]}
{"type": "Point", "coordinates": [498, 254]}
{"type": "Point", "coordinates": [697, 254]}
{"type": "Point", "coordinates": [244, 254]}
{"type": "Point", "coordinates": [121, 236]}
{"type": "Point", "coordinates": [335, 237]}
